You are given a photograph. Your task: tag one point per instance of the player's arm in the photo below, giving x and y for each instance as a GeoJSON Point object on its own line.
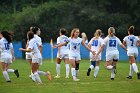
{"type": "Point", "coordinates": [12, 52]}
{"type": "Point", "coordinates": [101, 49]}
{"type": "Point", "coordinates": [83, 43]}
{"type": "Point", "coordinates": [25, 50]}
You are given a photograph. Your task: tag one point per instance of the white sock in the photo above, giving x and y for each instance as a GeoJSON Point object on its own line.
{"type": "Point", "coordinates": [41, 73]}
{"type": "Point", "coordinates": [91, 67]}
{"type": "Point", "coordinates": [131, 70]}
{"type": "Point", "coordinates": [112, 73]}
{"type": "Point", "coordinates": [135, 67]}
{"type": "Point", "coordinates": [67, 69]}
{"type": "Point", "coordinates": [110, 67]}
{"type": "Point", "coordinates": [10, 70]}
{"type": "Point", "coordinates": [76, 71]}
{"type": "Point", "coordinates": [6, 76]}
{"type": "Point", "coordinates": [73, 72]}
{"type": "Point", "coordinates": [96, 71]}
{"type": "Point", "coordinates": [37, 78]}
{"type": "Point", "coordinates": [58, 69]}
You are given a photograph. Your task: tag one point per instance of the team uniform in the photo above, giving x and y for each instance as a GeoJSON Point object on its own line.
{"type": "Point", "coordinates": [112, 52]}
{"type": "Point", "coordinates": [6, 55]}
{"type": "Point", "coordinates": [132, 50]}
{"type": "Point", "coordinates": [95, 46]}
{"type": "Point", "coordinates": [131, 42]}
{"type": "Point", "coordinates": [62, 54]}
{"type": "Point", "coordinates": [74, 45]}
{"type": "Point", "coordinates": [64, 50]}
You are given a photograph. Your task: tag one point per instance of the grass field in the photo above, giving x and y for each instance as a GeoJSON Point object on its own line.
{"type": "Point", "coordinates": [101, 84]}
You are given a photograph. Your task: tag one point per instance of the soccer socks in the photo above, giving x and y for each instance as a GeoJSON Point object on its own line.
{"type": "Point", "coordinates": [112, 73]}
{"type": "Point", "coordinates": [6, 76]}
{"type": "Point", "coordinates": [10, 70]}
{"type": "Point", "coordinates": [96, 71]}
{"type": "Point", "coordinates": [91, 67]}
{"type": "Point", "coordinates": [58, 69]}
{"type": "Point", "coordinates": [110, 67]}
{"type": "Point", "coordinates": [41, 73]}
{"type": "Point", "coordinates": [131, 70]}
{"type": "Point", "coordinates": [37, 78]}
{"type": "Point", "coordinates": [135, 67]}
{"type": "Point", "coordinates": [67, 70]}
{"type": "Point", "coordinates": [73, 72]}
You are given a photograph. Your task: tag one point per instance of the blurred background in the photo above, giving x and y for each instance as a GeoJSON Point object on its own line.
{"type": "Point", "coordinates": [16, 16]}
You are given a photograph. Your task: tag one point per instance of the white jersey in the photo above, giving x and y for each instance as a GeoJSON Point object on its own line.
{"type": "Point", "coordinates": [95, 43]}
{"type": "Point", "coordinates": [131, 42]}
{"type": "Point", "coordinates": [60, 40]}
{"type": "Point", "coordinates": [74, 45]}
{"type": "Point", "coordinates": [38, 39]}
{"type": "Point", "coordinates": [5, 48]}
{"type": "Point", "coordinates": [33, 44]}
{"type": "Point", "coordinates": [112, 44]}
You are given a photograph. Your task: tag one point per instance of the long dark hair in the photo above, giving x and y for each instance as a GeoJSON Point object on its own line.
{"type": "Point", "coordinates": [7, 36]}
{"type": "Point", "coordinates": [131, 29]}
{"type": "Point", "coordinates": [35, 29]}
{"type": "Point", "coordinates": [30, 35]}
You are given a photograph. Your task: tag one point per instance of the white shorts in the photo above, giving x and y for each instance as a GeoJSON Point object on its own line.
{"type": "Point", "coordinates": [28, 56]}
{"type": "Point", "coordinates": [112, 55]}
{"type": "Point", "coordinates": [6, 60]}
{"type": "Point", "coordinates": [132, 53]}
{"type": "Point", "coordinates": [92, 57]}
{"type": "Point", "coordinates": [37, 60]}
{"type": "Point", "coordinates": [63, 56]}
{"type": "Point", "coordinates": [75, 56]}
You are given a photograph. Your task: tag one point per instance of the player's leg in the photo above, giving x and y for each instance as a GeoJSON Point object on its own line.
{"type": "Point", "coordinates": [4, 71]}
{"type": "Point", "coordinates": [77, 67]}
{"type": "Point", "coordinates": [96, 68]}
{"type": "Point", "coordinates": [58, 61]}
{"type": "Point", "coordinates": [130, 71]}
{"type": "Point", "coordinates": [66, 60]}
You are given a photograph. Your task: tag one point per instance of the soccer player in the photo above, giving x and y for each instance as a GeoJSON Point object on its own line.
{"type": "Point", "coordinates": [112, 53]}
{"type": "Point", "coordinates": [74, 52]}
{"type": "Point", "coordinates": [63, 53]}
{"type": "Point", "coordinates": [84, 37]}
{"type": "Point", "coordinates": [7, 55]}
{"type": "Point", "coordinates": [36, 58]}
{"type": "Point", "coordinates": [95, 44]}
{"type": "Point", "coordinates": [131, 41]}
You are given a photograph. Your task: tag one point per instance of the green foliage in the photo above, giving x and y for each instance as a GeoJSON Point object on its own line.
{"type": "Point", "coordinates": [51, 15]}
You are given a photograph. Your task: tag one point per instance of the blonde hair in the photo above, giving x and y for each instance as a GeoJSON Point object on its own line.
{"type": "Point", "coordinates": [98, 33]}
{"type": "Point", "coordinates": [111, 30]}
{"type": "Point", "coordinates": [73, 31]}
{"type": "Point", "coordinates": [84, 36]}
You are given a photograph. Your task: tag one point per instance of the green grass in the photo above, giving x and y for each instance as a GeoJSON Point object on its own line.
{"type": "Point", "coordinates": [101, 84]}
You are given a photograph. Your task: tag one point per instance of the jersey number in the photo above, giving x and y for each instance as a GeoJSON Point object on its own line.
{"type": "Point", "coordinates": [112, 43]}
{"type": "Point", "coordinates": [6, 46]}
{"type": "Point", "coordinates": [75, 47]}
{"type": "Point", "coordinates": [132, 40]}
{"type": "Point", "coordinates": [95, 43]}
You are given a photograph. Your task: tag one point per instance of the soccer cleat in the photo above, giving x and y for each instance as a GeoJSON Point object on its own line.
{"type": "Point", "coordinates": [57, 76]}
{"type": "Point", "coordinates": [76, 79]}
{"type": "Point", "coordinates": [129, 77]}
{"type": "Point", "coordinates": [16, 73]}
{"type": "Point", "coordinates": [49, 75]}
{"type": "Point", "coordinates": [112, 78]}
{"type": "Point", "coordinates": [138, 75]}
{"type": "Point", "coordinates": [9, 81]}
{"type": "Point", "coordinates": [88, 72]}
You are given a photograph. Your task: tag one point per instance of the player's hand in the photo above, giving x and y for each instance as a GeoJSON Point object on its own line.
{"type": "Point", "coordinates": [55, 46]}
{"type": "Point", "coordinates": [20, 48]}
{"type": "Point", "coordinates": [93, 52]}
{"type": "Point", "coordinates": [13, 58]}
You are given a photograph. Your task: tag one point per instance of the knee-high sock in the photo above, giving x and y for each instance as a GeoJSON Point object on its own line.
{"type": "Point", "coordinates": [96, 71]}
{"type": "Point", "coordinates": [37, 78]}
{"type": "Point", "coordinates": [131, 70]}
{"type": "Point", "coordinates": [41, 73]}
{"type": "Point", "coordinates": [112, 73]}
{"type": "Point", "coordinates": [6, 76]}
{"type": "Point", "coordinates": [135, 67]}
{"type": "Point", "coordinates": [10, 70]}
{"type": "Point", "coordinates": [73, 72]}
{"type": "Point", "coordinates": [67, 69]}
{"type": "Point", "coordinates": [58, 69]}
{"type": "Point", "coordinates": [91, 67]}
